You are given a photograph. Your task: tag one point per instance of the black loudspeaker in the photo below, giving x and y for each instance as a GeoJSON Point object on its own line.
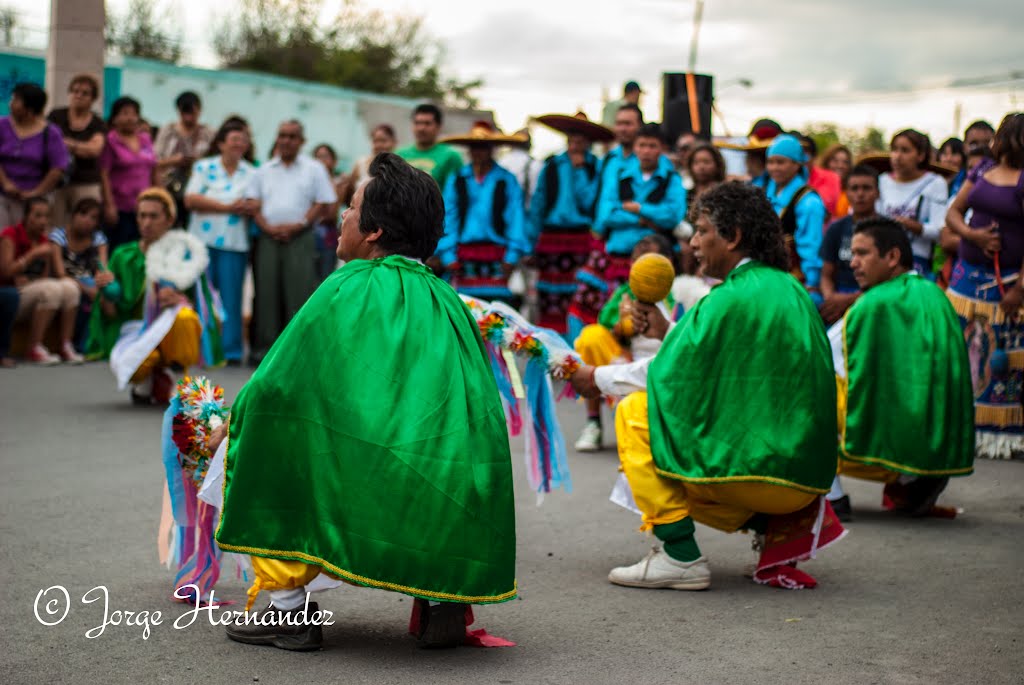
{"type": "Point", "coordinates": [686, 105]}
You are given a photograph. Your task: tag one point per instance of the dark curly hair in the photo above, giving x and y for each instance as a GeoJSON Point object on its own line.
{"type": "Point", "coordinates": [1008, 145]}
{"type": "Point", "coordinates": [406, 204]}
{"type": "Point", "coordinates": [735, 205]}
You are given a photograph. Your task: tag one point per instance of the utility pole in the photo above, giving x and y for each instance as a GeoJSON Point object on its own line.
{"type": "Point", "coordinates": [76, 45]}
{"type": "Point", "coordinates": [698, 15]}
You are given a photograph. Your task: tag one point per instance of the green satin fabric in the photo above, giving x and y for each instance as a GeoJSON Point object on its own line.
{"type": "Point", "coordinates": [371, 442]}
{"type": "Point", "coordinates": [910, 402]}
{"type": "Point", "coordinates": [743, 388]}
{"type": "Point", "coordinates": [128, 265]}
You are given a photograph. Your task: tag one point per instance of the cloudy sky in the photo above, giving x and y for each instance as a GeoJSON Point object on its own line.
{"type": "Point", "coordinates": [887, 63]}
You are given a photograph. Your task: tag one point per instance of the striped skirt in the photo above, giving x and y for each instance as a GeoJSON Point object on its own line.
{"type": "Point", "coordinates": [481, 274]}
{"type": "Point", "coordinates": [595, 283]}
{"type": "Point", "coordinates": [560, 254]}
{"type": "Point", "coordinates": [995, 348]}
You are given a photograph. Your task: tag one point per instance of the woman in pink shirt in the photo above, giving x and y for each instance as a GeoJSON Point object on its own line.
{"type": "Point", "coordinates": [127, 167]}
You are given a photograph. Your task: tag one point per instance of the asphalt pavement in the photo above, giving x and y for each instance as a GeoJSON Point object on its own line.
{"type": "Point", "coordinates": [899, 602]}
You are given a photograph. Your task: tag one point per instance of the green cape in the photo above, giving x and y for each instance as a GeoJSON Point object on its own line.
{"type": "Point", "coordinates": [743, 388]}
{"type": "Point", "coordinates": [371, 442]}
{"type": "Point", "coordinates": [910, 404]}
{"type": "Point", "coordinates": [128, 264]}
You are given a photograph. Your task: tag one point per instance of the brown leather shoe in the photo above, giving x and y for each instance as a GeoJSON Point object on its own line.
{"type": "Point", "coordinates": [297, 629]}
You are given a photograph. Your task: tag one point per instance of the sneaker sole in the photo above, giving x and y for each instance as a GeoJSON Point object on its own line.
{"type": "Point", "coordinates": [589, 448]}
{"type": "Point", "coordinates": [292, 643]}
{"type": "Point", "coordinates": [696, 584]}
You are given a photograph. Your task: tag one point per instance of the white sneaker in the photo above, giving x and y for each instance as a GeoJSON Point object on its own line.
{"type": "Point", "coordinates": [590, 438]}
{"type": "Point", "coordinates": [659, 570]}
{"type": "Point", "coordinates": [42, 356]}
{"type": "Point", "coordinates": [68, 354]}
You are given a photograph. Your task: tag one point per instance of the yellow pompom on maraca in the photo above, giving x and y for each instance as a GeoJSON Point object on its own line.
{"type": "Point", "coordinates": [651, 277]}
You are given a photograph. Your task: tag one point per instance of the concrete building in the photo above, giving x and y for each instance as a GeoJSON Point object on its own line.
{"type": "Point", "coordinates": [338, 116]}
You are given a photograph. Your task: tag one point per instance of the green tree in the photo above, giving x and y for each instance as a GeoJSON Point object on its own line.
{"type": "Point", "coordinates": [824, 135]}
{"type": "Point", "coordinates": [859, 141]}
{"type": "Point", "coordinates": [872, 140]}
{"type": "Point", "coordinates": [141, 32]}
{"type": "Point", "coordinates": [9, 26]}
{"type": "Point", "coordinates": [361, 49]}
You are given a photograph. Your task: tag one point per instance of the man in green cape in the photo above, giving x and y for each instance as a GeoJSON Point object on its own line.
{"type": "Point", "coordinates": [732, 424]}
{"type": "Point", "coordinates": [906, 412]}
{"type": "Point", "coordinates": [371, 443]}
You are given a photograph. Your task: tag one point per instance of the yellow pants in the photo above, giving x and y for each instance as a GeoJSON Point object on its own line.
{"type": "Point", "coordinates": [878, 474]}
{"type": "Point", "coordinates": [597, 346]}
{"type": "Point", "coordinates": [279, 574]}
{"type": "Point", "coordinates": [180, 346]}
{"type": "Point", "coordinates": [725, 506]}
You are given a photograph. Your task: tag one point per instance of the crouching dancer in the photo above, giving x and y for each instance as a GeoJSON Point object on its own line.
{"type": "Point", "coordinates": [906, 409]}
{"type": "Point", "coordinates": [732, 423]}
{"type": "Point", "coordinates": [371, 442]}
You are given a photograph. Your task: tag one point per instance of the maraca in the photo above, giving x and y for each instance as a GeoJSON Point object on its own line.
{"type": "Point", "coordinates": [650, 279]}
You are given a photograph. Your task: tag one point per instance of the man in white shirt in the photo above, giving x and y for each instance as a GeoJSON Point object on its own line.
{"type": "Point", "coordinates": [290, 192]}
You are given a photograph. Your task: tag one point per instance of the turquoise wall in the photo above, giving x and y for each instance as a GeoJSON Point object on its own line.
{"type": "Point", "coordinates": [338, 116]}
{"type": "Point", "coordinates": [20, 68]}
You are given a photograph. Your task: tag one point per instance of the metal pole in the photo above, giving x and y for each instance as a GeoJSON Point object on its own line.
{"type": "Point", "coordinates": [698, 14]}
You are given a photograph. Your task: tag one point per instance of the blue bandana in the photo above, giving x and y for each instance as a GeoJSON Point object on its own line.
{"type": "Point", "coordinates": [787, 146]}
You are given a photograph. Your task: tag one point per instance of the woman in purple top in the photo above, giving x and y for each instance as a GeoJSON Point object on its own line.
{"type": "Point", "coordinates": [32, 152]}
{"type": "Point", "coordinates": [127, 167]}
{"type": "Point", "coordinates": [987, 288]}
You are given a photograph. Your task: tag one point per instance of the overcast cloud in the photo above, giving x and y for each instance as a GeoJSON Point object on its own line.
{"type": "Point", "coordinates": [878, 62]}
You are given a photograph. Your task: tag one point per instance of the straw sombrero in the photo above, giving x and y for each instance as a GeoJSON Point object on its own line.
{"type": "Point", "coordinates": [577, 124]}
{"type": "Point", "coordinates": [880, 162]}
{"type": "Point", "coordinates": [484, 132]}
{"type": "Point", "coordinates": [762, 133]}
{"type": "Point", "coordinates": [751, 143]}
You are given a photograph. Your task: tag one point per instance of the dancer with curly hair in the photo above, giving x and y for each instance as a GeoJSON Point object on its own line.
{"type": "Point", "coordinates": [733, 422]}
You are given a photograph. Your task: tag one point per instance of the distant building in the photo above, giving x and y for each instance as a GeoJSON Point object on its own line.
{"type": "Point", "coordinates": [339, 116]}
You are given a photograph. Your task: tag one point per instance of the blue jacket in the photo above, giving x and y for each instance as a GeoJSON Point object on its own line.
{"type": "Point", "coordinates": [810, 222]}
{"type": "Point", "coordinates": [478, 226]}
{"type": "Point", "coordinates": [622, 229]}
{"type": "Point", "coordinates": [577, 193]}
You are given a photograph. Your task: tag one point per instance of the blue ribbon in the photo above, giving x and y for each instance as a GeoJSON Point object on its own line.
{"type": "Point", "coordinates": [554, 469]}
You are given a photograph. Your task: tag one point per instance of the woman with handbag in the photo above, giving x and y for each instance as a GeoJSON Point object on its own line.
{"type": "Point", "coordinates": [914, 195]}
{"type": "Point", "coordinates": [178, 146]}
{"type": "Point", "coordinates": [32, 153]}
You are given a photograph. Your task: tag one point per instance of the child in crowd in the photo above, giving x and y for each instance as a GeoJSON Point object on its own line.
{"type": "Point", "coordinates": [84, 252]}
{"type": "Point", "coordinates": [31, 263]}
{"type": "Point", "coordinates": [838, 285]}
{"type": "Point", "coordinates": [611, 340]}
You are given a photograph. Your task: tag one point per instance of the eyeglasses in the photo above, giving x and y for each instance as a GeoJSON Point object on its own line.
{"type": "Point", "coordinates": [87, 92]}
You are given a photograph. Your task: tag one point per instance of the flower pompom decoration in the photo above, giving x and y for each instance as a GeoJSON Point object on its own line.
{"type": "Point", "coordinates": [201, 410]}
{"type": "Point", "coordinates": [178, 259]}
{"type": "Point", "coordinates": [504, 327]}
